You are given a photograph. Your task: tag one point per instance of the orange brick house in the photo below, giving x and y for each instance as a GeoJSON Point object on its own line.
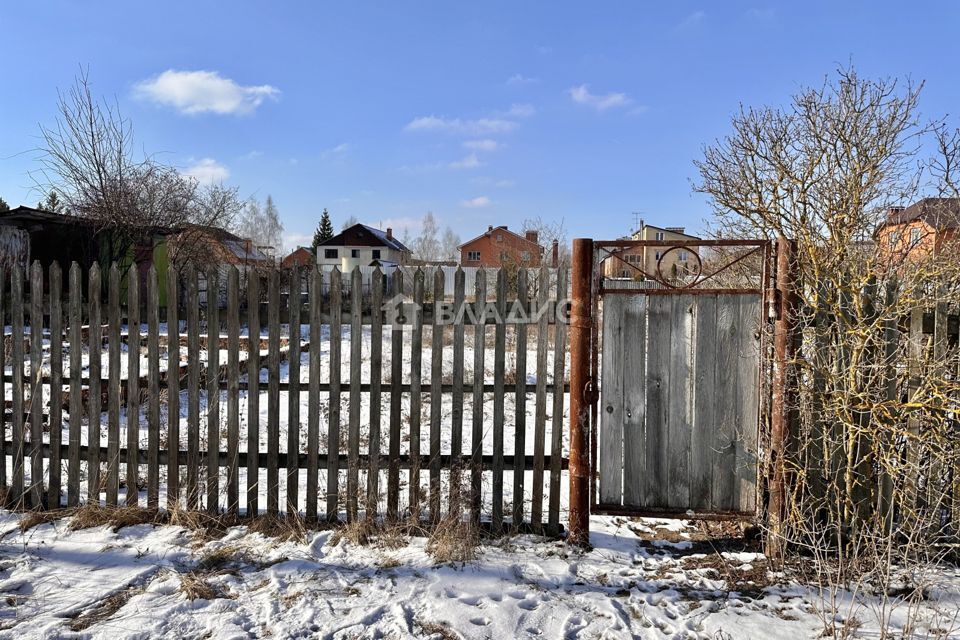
{"type": "Point", "coordinates": [498, 247]}
{"type": "Point", "coordinates": [300, 257]}
{"type": "Point", "coordinates": [921, 229]}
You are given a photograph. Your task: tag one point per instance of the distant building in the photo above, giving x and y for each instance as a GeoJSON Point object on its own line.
{"type": "Point", "coordinates": [300, 257]}
{"type": "Point", "coordinates": [634, 262]}
{"type": "Point", "coordinates": [921, 229]}
{"type": "Point", "coordinates": [360, 245]}
{"type": "Point", "coordinates": [499, 247]}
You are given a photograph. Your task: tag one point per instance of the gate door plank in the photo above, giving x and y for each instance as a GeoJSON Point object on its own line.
{"type": "Point", "coordinates": [745, 487]}
{"type": "Point", "coordinates": [725, 414]}
{"type": "Point", "coordinates": [704, 402]}
{"type": "Point", "coordinates": [611, 445]}
{"type": "Point", "coordinates": [634, 350]}
{"type": "Point", "coordinates": [679, 404]}
{"type": "Point", "coordinates": [658, 396]}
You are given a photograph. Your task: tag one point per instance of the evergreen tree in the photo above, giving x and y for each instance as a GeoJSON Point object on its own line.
{"type": "Point", "coordinates": [324, 230]}
{"type": "Point", "coordinates": [3, 205]}
{"type": "Point", "coordinates": [51, 203]}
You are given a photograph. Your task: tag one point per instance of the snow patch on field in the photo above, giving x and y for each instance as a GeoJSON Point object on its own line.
{"type": "Point", "coordinates": [130, 584]}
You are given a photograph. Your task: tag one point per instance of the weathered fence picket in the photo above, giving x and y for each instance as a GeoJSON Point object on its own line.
{"type": "Point", "coordinates": [76, 399]}
{"type": "Point", "coordinates": [138, 436]}
{"type": "Point", "coordinates": [293, 393]}
{"type": "Point", "coordinates": [213, 396]}
{"type": "Point", "coordinates": [94, 342]}
{"type": "Point", "coordinates": [133, 383]}
{"type": "Point", "coordinates": [35, 385]}
{"type": "Point", "coordinates": [113, 387]}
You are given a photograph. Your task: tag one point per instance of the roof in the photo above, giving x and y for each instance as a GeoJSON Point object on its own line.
{"type": "Point", "coordinates": [673, 230]}
{"type": "Point", "coordinates": [29, 214]}
{"type": "Point", "coordinates": [501, 229]}
{"type": "Point", "coordinates": [363, 235]}
{"type": "Point", "coordinates": [939, 213]}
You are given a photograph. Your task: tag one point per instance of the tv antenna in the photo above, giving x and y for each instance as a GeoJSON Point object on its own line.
{"type": "Point", "coordinates": [637, 220]}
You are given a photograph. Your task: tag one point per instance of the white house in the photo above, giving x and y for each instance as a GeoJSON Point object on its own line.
{"type": "Point", "coordinates": [362, 246]}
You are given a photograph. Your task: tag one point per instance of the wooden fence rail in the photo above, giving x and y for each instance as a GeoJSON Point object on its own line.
{"type": "Point", "coordinates": [374, 389]}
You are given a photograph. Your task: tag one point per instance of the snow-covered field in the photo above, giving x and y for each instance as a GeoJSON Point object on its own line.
{"type": "Point", "coordinates": [641, 579]}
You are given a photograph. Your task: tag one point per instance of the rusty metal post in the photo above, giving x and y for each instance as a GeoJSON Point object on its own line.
{"type": "Point", "coordinates": [581, 390]}
{"type": "Point", "coordinates": [780, 409]}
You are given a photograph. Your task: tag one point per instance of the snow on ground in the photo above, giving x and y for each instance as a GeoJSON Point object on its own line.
{"type": "Point", "coordinates": [641, 579]}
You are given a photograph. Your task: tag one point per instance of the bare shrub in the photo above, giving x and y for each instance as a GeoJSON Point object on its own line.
{"type": "Point", "coordinates": [873, 436]}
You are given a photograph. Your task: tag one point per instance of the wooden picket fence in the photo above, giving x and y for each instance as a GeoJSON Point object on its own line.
{"type": "Point", "coordinates": [378, 466]}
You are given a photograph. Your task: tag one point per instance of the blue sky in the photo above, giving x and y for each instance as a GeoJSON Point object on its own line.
{"type": "Point", "coordinates": [482, 112]}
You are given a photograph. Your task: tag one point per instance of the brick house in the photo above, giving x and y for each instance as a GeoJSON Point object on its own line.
{"type": "Point", "coordinates": [672, 262]}
{"type": "Point", "coordinates": [362, 246]}
{"type": "Point", "coordinates": [921, 229]}
{"type": "Point", "coordinates": [301, 257]}
{"type": "Point", "coordinates": [498, 247]}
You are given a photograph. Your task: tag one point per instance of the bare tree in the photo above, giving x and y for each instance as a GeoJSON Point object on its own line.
{"type": "Point", "coordinates": [449, 245]}
{"type": "Point", "coordinates": [870, 436]}
{"type": "Point", "coordinates": [261, 224]}
{"type": "Point", "coordinates": [89, 164]}
{"type": "Point", "coordinates": [426, 246]}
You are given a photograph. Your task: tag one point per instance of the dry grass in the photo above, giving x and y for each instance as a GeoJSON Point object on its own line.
{"type": "Point", "coordinates": [89, 516]}
{"type": "Point", "coordinates": [33, 519]}
{"type": "Point", "coordinates": [104, 610]}
{"type": "Point", "coordinates": [194, 586]}
{"type": "Point", "coordinates": [286, 528]}
{"type": "Point", "coordinates": [441, 629]}
{"type": "Point", "coordinates": [454, 539]}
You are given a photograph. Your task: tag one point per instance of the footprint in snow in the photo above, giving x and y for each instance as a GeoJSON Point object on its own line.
{"type": "Point", "coordinates": [480, 621]}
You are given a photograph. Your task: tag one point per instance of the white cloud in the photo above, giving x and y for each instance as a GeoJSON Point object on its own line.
{"type": "Point", "coordinates": [291, 241]}
{"type": "Point", "coordinates": [582, 95]}
{"type": "Point", "coordinates": [483, 145]}
{"type": "Point", "coordinates": [194, 92]}
{"type": "Point", "coordinates": [481, 126]}
{"type": "Point", "coordinates": [476, 203]}
{"type": "Point", "coordinates": [493, 182]}
{"type": "Point", "coordinates": [207, 171]}
{"type": "Point", "coordinates": [691, 20]}
{"type": "Point", "coordinates": [251, 155]}
{"type": "Point", "coordinates": [467, 162]}
{"type": "Point", "coordinates": [340, 148]}
{"type": "Point", "coordinates": [520, 79]}
{"type": "Point", "coordinates": [520, 111]}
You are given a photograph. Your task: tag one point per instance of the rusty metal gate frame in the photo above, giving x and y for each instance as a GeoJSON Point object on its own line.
{"type": "Point", "coordinates": [607, 249]}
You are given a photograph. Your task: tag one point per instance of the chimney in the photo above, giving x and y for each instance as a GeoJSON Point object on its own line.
{"type": "Point", "coordinates": [555, 254]}
{"type": "Point", "coordinates": [389, 233]}
{"type": "Point", "coordinates": [489, 228]}
{"type": "Point", "coordinates": [531, 236]}
{"type": "Point", "coordinates": [894, 211]}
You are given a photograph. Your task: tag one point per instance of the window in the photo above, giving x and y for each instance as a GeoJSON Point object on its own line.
{"type": "Point", "coordinates": [682, 256]}
{"type": "Point", "coordinates": [914, 236]}
{"type": "Point", "coordinates": [354, 253]}
{"type": "Point", "coordinates": [376, 254]}
{"type": "Point", "coordinates": [499, 237]}
{"type": "Point", "coordinates": [525, 256]}
{"type": "Point", "coordinates": [504, 256]}
{"type": "Point", "coordinates": [330, 254]}
{"type": "Point", "coordinates": [473, 256]}
{"type": "Point", "coordinates": [658, 235]}
{"type": "Point", "coordinates": [656, 256]}
{"type": "Point", "coordinates": [892, 238]}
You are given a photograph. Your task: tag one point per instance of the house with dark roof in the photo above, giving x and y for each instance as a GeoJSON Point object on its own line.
{"type": "Point", "coordinates": [923, 228]}
{"type": "Point", "coordinates": [363, 246]}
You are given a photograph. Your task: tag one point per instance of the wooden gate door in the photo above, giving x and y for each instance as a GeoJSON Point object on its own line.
{"type": "Point", "coordinates": [679, 402]}
{"type": "Point", "coordinates": [679, 375]}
